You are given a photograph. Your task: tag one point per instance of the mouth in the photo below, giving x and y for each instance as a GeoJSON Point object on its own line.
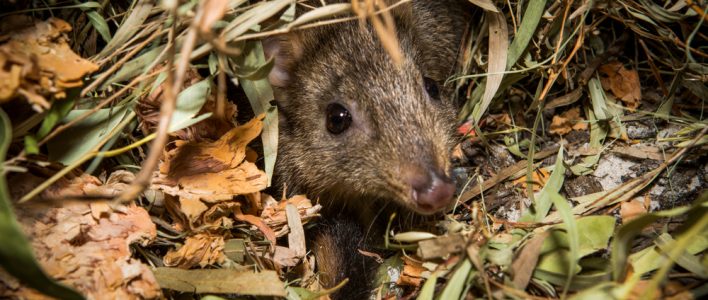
{"type": "Point", "coordinates": [424, 209]}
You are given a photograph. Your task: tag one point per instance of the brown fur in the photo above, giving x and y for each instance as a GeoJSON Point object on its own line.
{"type": "Point", "coordinates": [395, 122]}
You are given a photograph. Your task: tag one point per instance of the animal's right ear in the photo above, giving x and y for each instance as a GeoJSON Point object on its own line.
{"type": "Point", "coordinates": [285, 50]}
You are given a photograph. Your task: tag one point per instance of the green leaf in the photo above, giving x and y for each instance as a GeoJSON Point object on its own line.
{"type": "Point", "coordinates": [31, 146]}
{"type": "Point", "coordinates": [89, 4]}
{"type": "Point", "coordinates": [498, 48]}
{"type": "Point", "coordinates": [99, 23]}
{"type": "Point", "coordinates": [254, 16]}
{"type": "Point", "coordinates": [621, 244]}
{"type": "Point", "coordinates": [213, 64]}
{"type": "Point", "coordinates": [255, 72]}
{"type": "Point", "coordinates": [686, 260]}
{"type": "Point", "coordinates": [59, 110]}
{"type": "Point", "coordinates": [542, 204]}
{"type": "Point", "coordinates": [16, 256]}
{"type": "Point", "coordinates": [598, 99]}
{"type": "Point", "coordinates": [594, 233]}
{"type": "Point", "coordinates": [189, 103]}
{"type": "Point", "coordinates": [579, 282]}
{"type": "Point", "coordinates": [458, 281]}
{"type": "Point", "coordinates": [649, 259]}
{"type": "Point", "coordinates": [428, 290]}
{"type": "Point", "coordinates": [74, 142]}
{"type": "Point", "coordinates": [527, 28]}
{"type": "Point", "coordinates": [604, 290]}
{"type": "Point", "coordinates": [598, 133]}
{"type": "Point", "coordinates": [212, 297]}
{"type": "Point", "coordinates": [260, 94]}
{"type": "Point", "coordinates": [573, 233]}
{"type": "Point", "coordinates": [131, 24]}
{"type": "Point", "coordinates": [134, 67]}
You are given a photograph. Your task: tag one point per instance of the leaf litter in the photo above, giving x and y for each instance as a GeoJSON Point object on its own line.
{"type": "Point", "coordinates": [579, 79]}
{"type": "Point", "coordinates": [38, 62]}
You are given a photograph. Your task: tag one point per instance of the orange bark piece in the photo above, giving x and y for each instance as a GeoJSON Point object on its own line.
{"type": "Point", "coordinates": [567, 121]}
{"type": "Point", "coordinates": [623, 83]}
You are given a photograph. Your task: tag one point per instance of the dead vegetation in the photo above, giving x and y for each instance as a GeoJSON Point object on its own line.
{"type": "Point", "coordinates": [130, 172]}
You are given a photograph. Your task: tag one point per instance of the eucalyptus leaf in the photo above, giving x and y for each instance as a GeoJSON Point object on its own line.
{"type": "Point", "coordinates": [498, 48]}
{"type": "Point", "coordinates": [134, 67]}
{"type": "Point", "coordinates": [223, 281]}
{"type": "Point", "coordinates": [572, 232]}
{"type": "Point", "coordinates": [59, 110]}
{"type": "Point", "coordinates": [428, 290]}
{"type": "Point", "coordinates": [189, 103]}
{"type": "Point", "coordinates": [76, 141]}
{"type": "Point", "coordinates": [542, 203]}
{"type": "Point", "coordinates": [99, 23]}
{"type": "Point", "coordinates": [458, 281]}
{"type": "Point", "coordinates": [131, 24]}
{"type": "Point", "coordinates": [593, 234]}
{"type": "Point", "coordinates": [320, 13]}
{"type": "Point", "coordinates": [598, 99]}
{"type": "Point", "coordinates": [527, 28]}
{"type": "Point", "coordinates": [31, 145]}
{"type": "Point", "coordinates": [625, 234]}
{"type": "Point", "coordinates": [260, 94]}
{"type": "Point", "coordinates": [598, 133]}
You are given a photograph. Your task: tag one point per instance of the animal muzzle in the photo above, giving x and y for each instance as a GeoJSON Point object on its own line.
{"type": "Point", "coordinates": [430, 192]}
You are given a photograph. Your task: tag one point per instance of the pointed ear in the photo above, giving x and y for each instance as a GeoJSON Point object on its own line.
{"type": "Point", "coordinates": [285, 50]}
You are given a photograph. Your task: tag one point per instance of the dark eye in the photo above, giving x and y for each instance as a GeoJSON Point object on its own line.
{"type": "Point", "coordinates": [338, 118]}
{"type": "Point", "coordinates": [432, 88]}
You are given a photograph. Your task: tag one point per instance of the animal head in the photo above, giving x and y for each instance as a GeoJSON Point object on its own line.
{"type": "Point", "coordinates": [354, 125]}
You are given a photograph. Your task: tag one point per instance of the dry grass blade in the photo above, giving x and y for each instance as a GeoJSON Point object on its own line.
{"type": "Point", "coordinates": [383, 24]}
{"type": "Point", "coordinates": [173, 85]}
{"type": "Point", "coordinates": [498, 47]}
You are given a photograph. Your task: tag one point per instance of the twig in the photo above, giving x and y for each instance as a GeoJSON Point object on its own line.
{"type": "Point", "coordinates": [119, 63]}
{"type": "Point", "coordinates": [631, 187]}
{"type": "Point", "coordinates": [173, 84]}
{"type": "Point", "coordinates": [93, 110]}
{"type": "Point", "coordinates": [504, 174]}
{"type": "Point", "coordinates": [312, 25]}
{"type": "Point", "coordinates": [697, 9]}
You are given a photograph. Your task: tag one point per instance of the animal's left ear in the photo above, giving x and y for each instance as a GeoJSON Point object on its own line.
{"type": "Point", "coordinates": [286, 50]}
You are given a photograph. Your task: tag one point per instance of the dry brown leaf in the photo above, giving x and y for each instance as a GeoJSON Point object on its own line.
{"type": "Point", "coordinates": [525, 262]}
{"type": "Point", "coordinates": [441, 246]}
{"type": "Point", "coordinates": [539, 178]}
{"type": "Point", "coordinates": [642, 151]}
{"type": "Point", "coordinates": [38, 61]}
{"type": "Point", "coordinates": [412, 273]}
{"type": "Point", "coordinates": [86, 247]}
{"type": "Point", "coordinates": [202, 249]}
{"type": "Point", "coordinates": [258, 222]}
{"type": "Point", "coordinates": [212, 171]}
{"type": "Point", "coordinates": [623, 83]}
{"type": "Point", "coordinates": [640, 288]}
{"type": "Point", "coordinates": [296, 237]}
{"type": "Point", "coordinates": [274, 214]}
{"type": "Point", "coordinates": [148, 110]}
{"type": "Point", "coordinates": [220, 215]}
{"type": "Point", "coordinates": [192, 208]}
{"type": "Point", "coordinates": [284, 257]}
{"type": "Point", "coordinates": [631, 209]}
{"type": "Point", "coordinates": [222, 281]}
{"type": "Point", "coordinates": [213, 10]}
{"type": "Point", "coordinates": [567, 121]}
